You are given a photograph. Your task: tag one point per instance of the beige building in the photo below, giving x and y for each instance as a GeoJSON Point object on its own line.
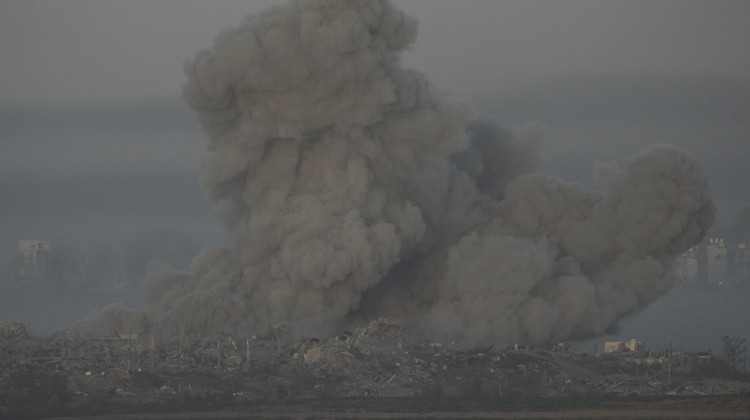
{"type": "Point", "coordinates": [634, 345]}
{"type": "Point", "coordinates": [613, 346]}
{"type": "Point", "coordinates": [622, 346]}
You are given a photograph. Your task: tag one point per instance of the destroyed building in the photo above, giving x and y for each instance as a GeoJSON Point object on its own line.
{"type": "Point", "coordinates": [375, 360]}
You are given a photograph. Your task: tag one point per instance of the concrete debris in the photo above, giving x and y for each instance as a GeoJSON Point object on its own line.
{"type": "Point", "coordinates": [375, 360]}
{"type": "Point", "coordinates": [13, 331]}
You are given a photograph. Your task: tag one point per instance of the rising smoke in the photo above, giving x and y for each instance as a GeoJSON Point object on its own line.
{"type": "Point", "coordinates": [352, 190]}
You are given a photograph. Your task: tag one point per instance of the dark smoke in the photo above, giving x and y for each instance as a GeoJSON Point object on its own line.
{"type": "Point", "coordinates": [352, 190]}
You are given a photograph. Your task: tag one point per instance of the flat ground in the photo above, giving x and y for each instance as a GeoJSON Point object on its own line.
{"type": "Point", "coordinates": [712, 407]}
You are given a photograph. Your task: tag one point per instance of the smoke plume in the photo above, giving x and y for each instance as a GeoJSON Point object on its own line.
{"type": "Point", "coordinates": [351, 190]}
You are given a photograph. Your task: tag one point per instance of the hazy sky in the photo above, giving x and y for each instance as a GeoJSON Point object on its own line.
{"type": "Point", "coordinates": [98, 144]}
{"type": "Point", "coordinates": [107, 51]}
{"type": "Point", "coordinates": [607, 78]}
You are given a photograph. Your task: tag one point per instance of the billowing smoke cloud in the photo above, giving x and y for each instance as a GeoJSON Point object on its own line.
{"type": "Point", "coordinates": [556, 263]}
{"type": "Point", "coordinates": [352, 190]}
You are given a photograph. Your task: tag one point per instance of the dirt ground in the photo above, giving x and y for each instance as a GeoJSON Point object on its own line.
{"type": "Point", "coordinates": [717, 407]}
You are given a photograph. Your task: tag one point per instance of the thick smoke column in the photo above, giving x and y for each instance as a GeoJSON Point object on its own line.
{"type": "Point", "coordinates": [351, 190]}
{"type": "Point", "coordinates": [557, 263]}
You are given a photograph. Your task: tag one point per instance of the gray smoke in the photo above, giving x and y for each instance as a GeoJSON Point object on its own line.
{"type": "Point", "coordinates": [351, 190]}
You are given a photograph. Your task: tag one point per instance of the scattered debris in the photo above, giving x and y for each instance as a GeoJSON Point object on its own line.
{"type": "Point", "coordinates": [375, 360]}
{"type": "Point", "coordinates": [13, 331]}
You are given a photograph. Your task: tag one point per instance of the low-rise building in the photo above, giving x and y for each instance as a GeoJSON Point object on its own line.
{"type": "Point", "coordinates": [622, 346]}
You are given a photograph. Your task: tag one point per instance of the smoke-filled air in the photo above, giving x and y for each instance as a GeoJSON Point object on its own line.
{"type": "Point", "coordinates": [352, 189]}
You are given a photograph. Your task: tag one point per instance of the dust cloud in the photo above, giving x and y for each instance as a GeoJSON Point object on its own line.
{"type": "Point", "coordinates": [352, 189]}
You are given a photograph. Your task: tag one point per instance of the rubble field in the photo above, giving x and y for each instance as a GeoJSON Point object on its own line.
{"type": "Point", "coordinates": [371, 372]}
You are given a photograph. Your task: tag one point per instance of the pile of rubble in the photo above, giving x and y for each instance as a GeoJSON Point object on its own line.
{"type": "Point", "coordinates": [375, 360]}
{"type": "Point", "coordinates": [13, 331]}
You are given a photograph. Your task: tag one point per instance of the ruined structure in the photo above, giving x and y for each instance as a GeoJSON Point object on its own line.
{"type": "Point", "coordinates": [375, 360]}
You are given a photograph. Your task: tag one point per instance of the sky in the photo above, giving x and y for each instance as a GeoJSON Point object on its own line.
{"type": "Point", "coordinates": [105, 51]}
{"type": "Point", "coordinates": [100, 148]}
